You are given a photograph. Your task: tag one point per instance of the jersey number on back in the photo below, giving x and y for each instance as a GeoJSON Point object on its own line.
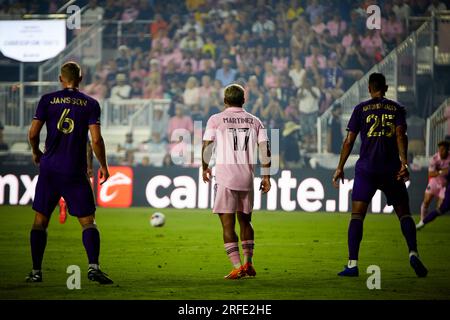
{"type": "Point", "coordinates": [240, 138]}
{"type": "Point", "coordinates": [383, 127]}
{"type": "Point", "coordinates": [65, 124]}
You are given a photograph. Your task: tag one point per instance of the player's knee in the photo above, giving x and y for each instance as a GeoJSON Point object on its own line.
{"type": "Point", "coordinates": [358, 216]}
{"type": "Point", "coordinates": [89, 226]}
{"type": "Point", "coordinates": [40, 222]}
{"type": "Point", "coordinates": [39, 226]}
{"type": "Point", "coordinates": [404, 216]}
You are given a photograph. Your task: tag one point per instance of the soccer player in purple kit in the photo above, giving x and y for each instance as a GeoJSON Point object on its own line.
{"type": "Point", "coordinates": [68, 115]}
{"type": "Point", "coordinates": [382, 164]}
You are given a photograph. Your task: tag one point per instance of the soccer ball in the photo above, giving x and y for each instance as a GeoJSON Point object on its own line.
{"type": "Point", "coordinates": [158, 219]}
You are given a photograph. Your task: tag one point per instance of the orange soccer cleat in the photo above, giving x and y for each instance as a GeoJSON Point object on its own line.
{"type": "Point", "coordinates": [248, 269]}
{"type": "Point", "coordinates": [235, 274]}
{"type": "Point", "coordinates": [62, 211]}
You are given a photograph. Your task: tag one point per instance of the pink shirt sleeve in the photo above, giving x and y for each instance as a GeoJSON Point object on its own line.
{"type": "Point", "coordinates": [210, 131]}
{"type": "Point", "coordinates": [262, 133]}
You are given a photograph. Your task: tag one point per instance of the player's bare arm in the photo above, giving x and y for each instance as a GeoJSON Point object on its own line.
{"type": "Point", "coordinates": [90, 158]}
{"type": "Point", "coordinates": [402, 144]}
{"type": "Point", "coordinates": [206, 157]}
{"type": "Point", "coordinates": [33, 138]}
{"type": "Point", "coordinates": [347, 147]}
{"type": "Point", "coordinates": [265, 159]}
{"type": "Point", "coordinates": [98, 145]}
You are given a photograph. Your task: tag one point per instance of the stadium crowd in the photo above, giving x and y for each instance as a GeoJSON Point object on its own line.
{"type": "Point", "coordinates": [294, 57]}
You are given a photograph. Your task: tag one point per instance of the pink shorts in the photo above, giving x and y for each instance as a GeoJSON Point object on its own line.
{"type": "Point", "coordinates": [232, 201]}
{"type": "Point", "coordinates": [435, 188]}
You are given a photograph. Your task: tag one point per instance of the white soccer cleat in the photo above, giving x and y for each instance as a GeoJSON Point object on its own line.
{"type": "Point", "coordinates": [420, 225]}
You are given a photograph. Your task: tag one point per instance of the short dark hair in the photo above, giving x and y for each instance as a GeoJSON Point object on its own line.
{"type": "Point", "coordinates": [234, 95]}
{"type": "Point", "coordinates": [445, 144]}
{"type": "Point", "coordinates": [71, 71]}
{"type": "Point", "coordinates": [377, 82]}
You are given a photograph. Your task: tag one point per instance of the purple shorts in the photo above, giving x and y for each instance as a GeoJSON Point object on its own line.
{"type": "Point", "coordinates": [76, 190]}
{"type": "Point", "coordinates": [366, 184]}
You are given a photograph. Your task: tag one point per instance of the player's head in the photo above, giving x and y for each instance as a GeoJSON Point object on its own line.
{"type": "Point", "coordinates": [444, 147]}
{"type": "Point", "coordinates": [377, 84]}
{"type": "Point", "coordinates": [234, 95]}
{"type": "Point", "coordinates": [70, 74]}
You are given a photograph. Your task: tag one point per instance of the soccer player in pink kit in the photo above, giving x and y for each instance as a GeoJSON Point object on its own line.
{"type": "Point", "coordinates": [437, 171]}
{"type": "Point", "coordinates": [235, 135]}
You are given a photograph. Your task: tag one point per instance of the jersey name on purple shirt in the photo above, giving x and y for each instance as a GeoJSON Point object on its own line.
{"type": "Point", "coordinates": [67, 114]}
{"type": "Point", "coordinates": [376, 121]}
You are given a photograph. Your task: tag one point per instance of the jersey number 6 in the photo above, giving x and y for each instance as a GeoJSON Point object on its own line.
{"type": "Point", "coordinates": [64, 119]}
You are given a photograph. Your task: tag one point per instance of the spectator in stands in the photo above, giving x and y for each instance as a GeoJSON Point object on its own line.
{"type": "Point", "coordinates": [290, 151]}
{"type": "Point", "coordinates": [308, 105]}
{"type": "Point", "coordinates": [175, 26]}
{"type": "Point", "coordinates": [353, 61]}
{"type": "Point", "coordinates": [372, 43]}
{"type": "Point", "coordinates": [335, 136]}
{"type": "Point", "coordinates": [291, 113]}
{"type": "Point", "coordinates": [129, 146]}
{"type": "Point", "coordinates": [123, 59]}
{"type": "Point", "coordinates": [316, 59]}
{"type": "Point", "coordinates": [280, 61]}
{"type": "Point", "coordinates": [161, 40]}
{"type": "Point", "coordinates": [226, 74]}
{"type": "Point", "coordinates": [157, 24]}
{"type": "Point", "coordinates": [154, 88]}
{"type": "Point", "coordinates": [141, 41]}
{"type": "Point", "coordinates": [159, 121]}
{"type": "Point", "coordinates": [121, 90]}
{"type": "Point", "coordinates": [206, 58]}
{"type": "Point", "coordinates": [191, 24]}
{"type": "Point", "coordinates": [294, 10]}
{"type": "Point", "coordinates": [263, 24]}
{"type": "Point", "coordinates": [272, 114]}
{"type": "Point", "coordinates": [392, 31]}
{"type": "Point", "coordinates": [297, 73]}
{"type": "Point", "coordinates": [205, 93]}
{"type": "Point", "coordinates": [157, 149]}
{"type": "Point", "coordinates": [334, 79]}
{"type": "Point", "coordinates": [192, 41]}
{"type": "Point", "coordinates": [136, 88]}
{"type": "Point", "coordinates": [138, 70]}
{"type": "Point", "coordinates": [336, 26]}
{"type": "Point", "coordinates": [314, 9]}
{"type": "Point", "coordinates": [3, 145]}
{"type": "Point", "coordinates": [97, 89]}
{"type": "Point", "coordinates": [436, 6]}
{"type": "Point", "coordinates": [270, 77]}
{"type": "Point", "coordinates": [93, 13]}
{"type": "Point", "coordinates": [402, 10]}
{"type": "Point", "coordinates": [179, 121]}
{"type": "Point", "coordinates": [130, 13]}
{"type": "Point", "coordinates": [145, 10]}
{"type": "Point", "coordinates": [318, 26]}
{"type": "Point", "coordinates": [191, 94]}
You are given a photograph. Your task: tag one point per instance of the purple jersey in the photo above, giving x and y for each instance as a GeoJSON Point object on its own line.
{"type": "Point", "coordinates": [67, 114]}
{"type": "Point", "coordinates": [376, 120]}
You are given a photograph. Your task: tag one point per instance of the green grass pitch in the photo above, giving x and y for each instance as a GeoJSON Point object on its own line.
{"type": "Point", "coordinates": [297, 256]}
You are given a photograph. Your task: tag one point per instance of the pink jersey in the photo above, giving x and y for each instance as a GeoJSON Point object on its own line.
{"type": "Point", "coordinates": [236, 134]}
{"type": "Point", "coordinates": [436, 164]}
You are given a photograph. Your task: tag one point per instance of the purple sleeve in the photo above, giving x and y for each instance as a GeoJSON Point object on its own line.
{"type": "Point", "coordinates": [41, 110]}
{"type": "Point", "coordinates": [94, 117]}
{"type": "Point", "coordinates": [354, 124]}
{"type": "Point", "coordinates": [400, 119]}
